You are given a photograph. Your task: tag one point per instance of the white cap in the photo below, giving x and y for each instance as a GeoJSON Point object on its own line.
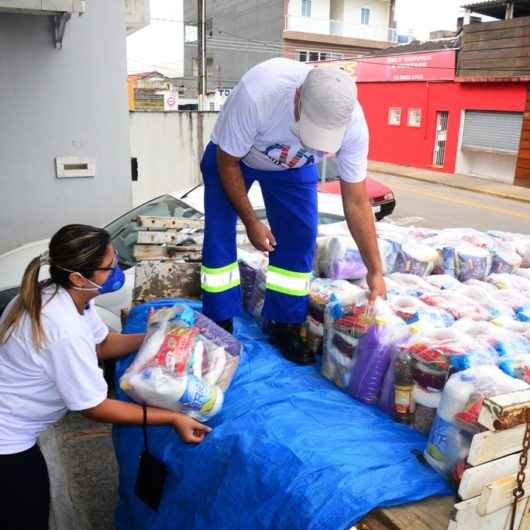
{"type": "Point", "coordinates": [328, 97]}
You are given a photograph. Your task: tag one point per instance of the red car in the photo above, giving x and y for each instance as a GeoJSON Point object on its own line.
{"type": "Point", "coordinates": [381, 197]}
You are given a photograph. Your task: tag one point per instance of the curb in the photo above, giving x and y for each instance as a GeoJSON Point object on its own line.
{"type": "Point", "coordinates": [477, 189]}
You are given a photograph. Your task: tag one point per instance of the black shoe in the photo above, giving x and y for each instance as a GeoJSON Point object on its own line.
{"type": "Point", "coordinates": [227, 325]}
{"type": "Point", "coordinates": [288, 339]}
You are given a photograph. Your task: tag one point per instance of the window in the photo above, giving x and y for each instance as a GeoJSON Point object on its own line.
{"type": "Point", "coordinates": [394, 116]}
{"type": "Point", "coordinates": [190, 34]}
{"type": "Point", "coordinates": [365, 16]}
{"type": "Point", "coordinates": [123, 231]}
{"type": "Point", "coordinates": [306, 8]}
{"type": "Point", "coordinates": [212, 105]}
{"type": "Point", "coordinates": [414, 118]}
{"type": "Point", "coordinates": [304, 56]}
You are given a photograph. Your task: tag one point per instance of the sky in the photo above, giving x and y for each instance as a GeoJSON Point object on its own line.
{"type": "Point", "coordinates": [424, 16]}
{"type": "Point", "coordinates": [158, 47]}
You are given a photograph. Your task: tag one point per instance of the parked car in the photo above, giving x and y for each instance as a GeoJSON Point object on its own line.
{"type": "Point", "coordinates": [381, 196]}
{"type": "Point", "coordinates": [187, 204]}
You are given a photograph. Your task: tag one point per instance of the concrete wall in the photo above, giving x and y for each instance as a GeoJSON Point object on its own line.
{"type": "Point", "coordinates": [236, 25]}
{"type": "Point", "coordinates": [491, 166]}
{"type": "Point", "coordinates": [169, 147]}
{"type": "Point", "coordinates": [68, 102]}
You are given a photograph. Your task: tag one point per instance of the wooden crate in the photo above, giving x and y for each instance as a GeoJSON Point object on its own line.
{"type": "Point", "coordinates": [485, 493]}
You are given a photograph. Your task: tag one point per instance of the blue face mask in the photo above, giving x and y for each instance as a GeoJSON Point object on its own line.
{"type": "Point", "coordinates": [113, 283]}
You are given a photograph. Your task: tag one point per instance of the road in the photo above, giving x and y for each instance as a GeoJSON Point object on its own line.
{"type": "Point", "coordinates": [434, 205]}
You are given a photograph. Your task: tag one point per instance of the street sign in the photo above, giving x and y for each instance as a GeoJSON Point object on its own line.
{"type": "Point", "coordinates": [171, 102]}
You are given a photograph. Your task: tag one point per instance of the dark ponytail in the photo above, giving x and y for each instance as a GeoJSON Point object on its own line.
{"type": "Point", "coordinates": [74, 247]}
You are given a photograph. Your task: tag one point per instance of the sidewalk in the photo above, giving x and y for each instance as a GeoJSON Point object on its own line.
{"type": "Point", "coordinates": [463, 182]}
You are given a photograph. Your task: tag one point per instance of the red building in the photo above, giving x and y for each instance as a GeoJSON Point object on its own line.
{"type": "Point", "coordinates": [420, 115]}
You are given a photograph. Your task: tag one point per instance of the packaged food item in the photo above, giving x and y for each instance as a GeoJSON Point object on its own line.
{"type": "Point", "coordinates": [505, 258]}
{"type": "Point", "coordinates": [426, 404]}
{"type": "Point", "coordinates": [457, 415]}
{"type": "Point", "coordinates": [374, 352]}
{"type": "Point", "coordinates": [345, 322]}
{"type": "Point", "coordinates": [178, 368]}
{"type": "Point", "coordinates": [253, 274]}
{"type": "Point", "coordinates": [322, 292]}
{"type": "Point", "coordinates": [472, 262]}
{"type": "Point", "coordinates": [416, 258]}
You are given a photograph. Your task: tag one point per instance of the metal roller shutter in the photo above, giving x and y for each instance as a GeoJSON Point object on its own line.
{"type": "Point", "coordinates": [492, 130]}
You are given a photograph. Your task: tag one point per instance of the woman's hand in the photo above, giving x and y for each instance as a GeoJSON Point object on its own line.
{"type": "Point", "coordinates": [190, 430]}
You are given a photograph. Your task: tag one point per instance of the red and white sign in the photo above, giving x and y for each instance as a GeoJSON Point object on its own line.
{"type": "Point", "coordinates": [171, 102]}
{"type": "Point", "coordinates": [428, 66]}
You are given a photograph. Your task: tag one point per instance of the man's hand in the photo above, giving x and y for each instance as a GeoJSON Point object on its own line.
{"type": "Point", "coordinates": [377, 285]}
{"type": "Point", "coordinates": [261, 236]}
{"type": "Point", "coordinates": [190, 430]}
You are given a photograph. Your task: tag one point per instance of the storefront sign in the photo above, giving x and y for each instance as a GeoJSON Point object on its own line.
{"type": "Point", "coordinates": [428, 66]}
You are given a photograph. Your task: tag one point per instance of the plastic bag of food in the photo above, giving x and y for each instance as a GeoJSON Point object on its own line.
{"type": "Point", "coordinates": [184, 364]}
{"type": "Point", "coordinates": [521, 242]}
{"type": "Point", "coordinates": [487, 301]}
{"type": "Point", "coordinates": [340, 258]}
{"type": "Point", "coordinates": [374, 352]}
{"type": "Point", "coordinates": [457, 305]}
{"type": "Point", "coordinates": [512, 282]}
{"type": "Point", "coordinates": [322, 292]}
{"type": "Point", "coordinates": [525, 273]}
{"type": "Point", "coordinates": [418, 315]}
{"type": "Point", "coordinates": [482, 284]}
{"type": "Point", "coordinates": [444, 281]}
{"type": "Point", "coordinates": [250, 264]}
{"type": "Point", "coordinates": [438, 352]}
{"type": "Point", "coordinates": [456, 419]}
{"type": "Point", "coordinates": [505, 258]}
{"type": "Point", "coordinates": [411, 284]}
{"type": "Point", "coordinates": [472, 262]}
{"type": "Point", "coordinates": [416, 258]}
{"type": "Point", "coordinates": [345, 321]}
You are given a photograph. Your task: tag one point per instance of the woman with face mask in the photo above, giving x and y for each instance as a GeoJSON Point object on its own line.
{"type": "Point", "coordinates": [51, 338]}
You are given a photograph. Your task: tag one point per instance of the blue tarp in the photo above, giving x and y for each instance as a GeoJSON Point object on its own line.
{"type": "Point", "coordinates": [288, 451]}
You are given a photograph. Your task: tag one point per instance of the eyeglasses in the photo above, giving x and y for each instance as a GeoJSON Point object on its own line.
{"type": "Point", "coordinates": [111, 268]}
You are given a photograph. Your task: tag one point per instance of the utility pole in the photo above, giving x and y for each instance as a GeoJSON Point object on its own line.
{"type": "Point", "coordinates": [201, 43]}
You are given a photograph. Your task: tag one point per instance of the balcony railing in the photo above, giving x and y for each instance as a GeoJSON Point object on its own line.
{"type": "Point", "coordinates": [339, 28]}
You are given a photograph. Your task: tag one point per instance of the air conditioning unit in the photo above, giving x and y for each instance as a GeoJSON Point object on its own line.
{"type": "Point", "coordinates": [43, 7]}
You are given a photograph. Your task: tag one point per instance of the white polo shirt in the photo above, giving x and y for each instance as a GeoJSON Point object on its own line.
{"type": "Point", "coordinates": [255, 124]}
{"type": "Point", "coordinates": [38, 387]}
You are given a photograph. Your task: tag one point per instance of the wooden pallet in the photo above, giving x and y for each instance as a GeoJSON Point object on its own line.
{"type": "Point", "coordinates": [485, 493]}
{"type": "Point", "coordinates": [168, 254]}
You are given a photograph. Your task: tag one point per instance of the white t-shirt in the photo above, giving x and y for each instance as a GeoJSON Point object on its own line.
{"type": "Point", "coordinates": [38, 387]}
{"type": "Point", "coordinates": [254, 123]}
